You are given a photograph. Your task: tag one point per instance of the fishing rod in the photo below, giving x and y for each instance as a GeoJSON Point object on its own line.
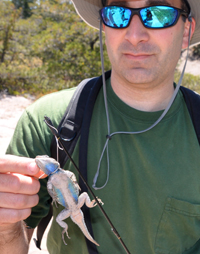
{"type": "Point", "coordinates": [54, 131]}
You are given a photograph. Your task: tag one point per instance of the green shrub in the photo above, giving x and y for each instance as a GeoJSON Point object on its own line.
{"type": "Point", "coordinates": [190, 81]}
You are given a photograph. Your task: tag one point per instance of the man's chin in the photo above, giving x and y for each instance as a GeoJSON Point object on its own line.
{"type": "Point", "coordinates": [138, 75]}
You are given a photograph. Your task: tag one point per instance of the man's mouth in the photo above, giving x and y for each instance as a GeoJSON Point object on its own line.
{"type": "Point", "coordinates": [137, 57]}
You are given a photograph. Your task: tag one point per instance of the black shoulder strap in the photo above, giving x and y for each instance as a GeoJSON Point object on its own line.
{"type": "Point", "coordinates": [71, 126]}
{"type": "Point", "coordinates": [83, 149]}
{"type": "Point", "coordinates": [192, 100]}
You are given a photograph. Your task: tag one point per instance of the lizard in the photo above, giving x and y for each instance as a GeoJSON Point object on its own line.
{"type": "Point", "coordinates": [64, 189]}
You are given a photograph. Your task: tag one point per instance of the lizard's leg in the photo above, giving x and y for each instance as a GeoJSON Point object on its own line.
{"type": "Point", "coordinates": [54, 198]}
{"type": "Point", "coordinates": [62, 216]}
{"type": "Point", "coordinates": [84, 198]}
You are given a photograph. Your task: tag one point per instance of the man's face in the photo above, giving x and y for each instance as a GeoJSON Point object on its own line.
{"type": "Point", "coordinates": [145, 56]}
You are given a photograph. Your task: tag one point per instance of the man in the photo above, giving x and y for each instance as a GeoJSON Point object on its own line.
{"type": "Point", "coordinates": [152, 195]}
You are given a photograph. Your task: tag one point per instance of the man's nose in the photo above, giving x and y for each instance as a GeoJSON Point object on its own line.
{"type": "Point", "coordinates": [136, 32]}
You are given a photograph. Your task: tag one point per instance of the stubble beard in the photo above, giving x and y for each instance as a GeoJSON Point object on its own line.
{"type": "Point", "coordinates": [143, 73]}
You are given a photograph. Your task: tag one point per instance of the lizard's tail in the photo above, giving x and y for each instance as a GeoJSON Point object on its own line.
{"type": "Point", "coordinates": [79, 220]}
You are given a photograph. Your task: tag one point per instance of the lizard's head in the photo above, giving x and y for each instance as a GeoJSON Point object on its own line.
{"type": "Point", "coordinates": [46, 164]}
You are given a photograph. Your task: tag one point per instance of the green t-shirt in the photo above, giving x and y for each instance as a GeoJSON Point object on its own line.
{"type": "Point", "coordinates": [153, 193]}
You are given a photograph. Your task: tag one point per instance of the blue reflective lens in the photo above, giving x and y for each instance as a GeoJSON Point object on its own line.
{"type": "Point", "coordinates": [159, 16]}
{"type": "Point", "coordinates": [151, 17]}
{"type": "Point", "coordinates": [115, 16]}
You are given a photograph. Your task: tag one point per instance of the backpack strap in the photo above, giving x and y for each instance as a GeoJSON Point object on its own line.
{"type": "Point", "coordinates": [192, 100]}
{"type": "Point", "coordinates": [83, 150]}
{"type": "Point", "coordinates": [70, 125]}
{"type": "Point", "coordinates": [42, 227]}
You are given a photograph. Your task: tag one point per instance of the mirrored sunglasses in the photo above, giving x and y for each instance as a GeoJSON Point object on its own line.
{"type": "Point", "coordinates": [154, 17]}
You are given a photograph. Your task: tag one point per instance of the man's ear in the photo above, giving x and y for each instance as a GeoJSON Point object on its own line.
{"type": "Point", "coordinates": [103, 26]}
{"type": "Point", "coordinates": [186, 32]}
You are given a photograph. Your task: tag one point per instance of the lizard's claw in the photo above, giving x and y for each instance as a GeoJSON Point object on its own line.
{"type": "Point", "coordinates": [54, 202]}
{"type": "Point", "coordinates": [63, 238]}
{"type": "Point", "coordinates": [100, 201]}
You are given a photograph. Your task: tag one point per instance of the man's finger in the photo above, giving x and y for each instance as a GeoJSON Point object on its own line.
{"type": "Point", "coordinates": [22, 165]}
{"type": "Point", "coordinates": [17, 183]}
{"type": "Point", "coordinates": [10, 216]}
{"type": "Point", "coordinates": [15, 164]}
{"type": "Point", "coordinates": [18, 201]}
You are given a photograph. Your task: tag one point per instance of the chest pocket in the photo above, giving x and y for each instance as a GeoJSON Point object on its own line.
{"type": "Point", "coordinates": [179, 228]}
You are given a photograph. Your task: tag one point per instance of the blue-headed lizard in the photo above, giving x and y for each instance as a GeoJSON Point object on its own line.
{"type": "Point", "coordinates": [64, 189]}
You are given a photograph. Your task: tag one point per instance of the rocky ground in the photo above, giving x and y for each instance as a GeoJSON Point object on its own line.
{"type": "Point", "coordinates": [11, 108]}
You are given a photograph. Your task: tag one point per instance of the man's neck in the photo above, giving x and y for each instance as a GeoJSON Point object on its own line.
{"type": "Point", "coordinates": [144, 97]}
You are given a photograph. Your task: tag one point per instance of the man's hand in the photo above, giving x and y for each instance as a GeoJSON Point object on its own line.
{"type": "Point", "coordinates": [19, 186]}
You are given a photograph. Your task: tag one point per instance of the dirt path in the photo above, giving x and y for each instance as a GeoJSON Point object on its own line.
{"type": "Point", "coordinates": [192, 67]}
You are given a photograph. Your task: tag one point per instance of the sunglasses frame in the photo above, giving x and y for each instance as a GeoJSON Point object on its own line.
{"type": "Point", "coordinates": [136, 11]}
